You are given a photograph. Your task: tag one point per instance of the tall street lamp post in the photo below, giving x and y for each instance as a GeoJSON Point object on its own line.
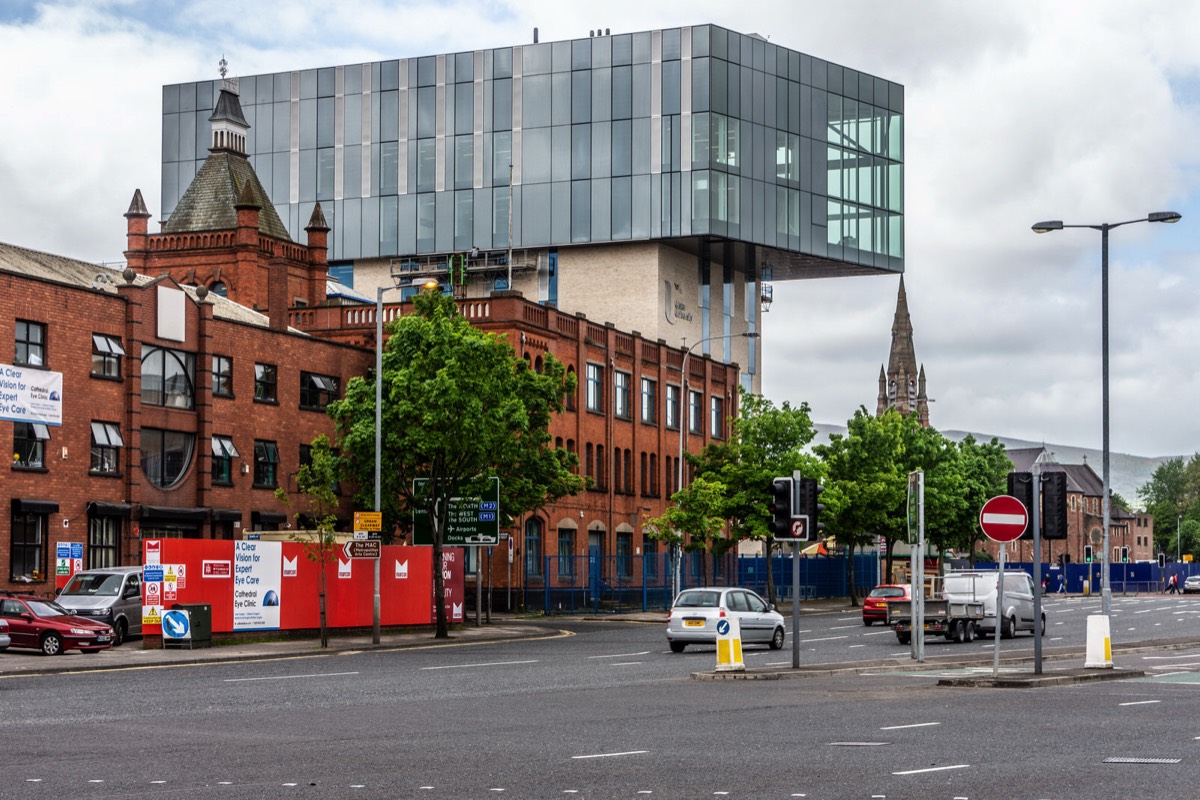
{"type": "Point", "coordinates": [684, 416]}
{"type": "Point", "coordinates": [430, 284]}
{"type": "Point", "coordinates": [1106, 500]}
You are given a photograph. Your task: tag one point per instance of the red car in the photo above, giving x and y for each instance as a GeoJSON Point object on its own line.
{"type": "Point", "coordinates": [875, 605]}
{"type": "Point", "coordinates": [47, 626]}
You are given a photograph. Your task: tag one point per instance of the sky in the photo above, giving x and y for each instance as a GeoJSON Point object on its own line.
{"type": "Point", "coordinates": [1086, 111]}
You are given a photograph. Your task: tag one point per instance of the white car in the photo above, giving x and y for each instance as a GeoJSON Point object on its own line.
{"type": "Point", "coordinates": [695, 614]}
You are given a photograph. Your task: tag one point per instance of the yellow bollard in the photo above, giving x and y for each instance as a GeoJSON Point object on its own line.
{"type": "Point", "coordinates": [1087, 588]}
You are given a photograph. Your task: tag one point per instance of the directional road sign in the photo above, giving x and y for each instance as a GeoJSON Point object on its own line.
{"type": "Point", "coordinates": [362, 548]}
{"type": "Point", "coordinates": [471, 520]}
{"type": "Point", "coordinates": [1003, 518]}
{"type": "Point", "coordinates": [177, 624]}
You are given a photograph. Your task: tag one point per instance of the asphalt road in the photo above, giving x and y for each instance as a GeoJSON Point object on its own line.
{"type": "Point", "coordinates": [606, 711]}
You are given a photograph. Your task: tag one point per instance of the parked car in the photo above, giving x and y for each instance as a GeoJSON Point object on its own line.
{"type": "Point", "coordinates": [4, 639]}
{"type": "Point", "coordinates": [875, 604]}
{"type": "Point", "coordinates": [45, 625]}
{"type": "Point", "coordinates": [112, 595]}
{"type": "Point", "coordinates": [1191, 584]}
{"type": "Point", "coordinates": [694, 616]}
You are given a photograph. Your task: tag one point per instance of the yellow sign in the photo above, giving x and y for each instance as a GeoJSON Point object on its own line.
{"type": "Point", "coordinates": [368, 520]}
{"type": "Point", "coordinates": [150, 616]}
{"type": "Point", "coordinates": [1188, 558]}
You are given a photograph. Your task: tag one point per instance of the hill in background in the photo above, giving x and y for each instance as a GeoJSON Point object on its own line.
{"type": "Point", "coordinates": [1127, 473]}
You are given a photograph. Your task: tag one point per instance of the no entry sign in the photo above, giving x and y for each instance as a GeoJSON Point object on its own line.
{"type": "Point", "coordinates": [1003, 518]}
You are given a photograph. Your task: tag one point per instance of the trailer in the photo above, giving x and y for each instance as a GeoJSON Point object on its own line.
{"type": "Point", "coordinates": [956, 620]}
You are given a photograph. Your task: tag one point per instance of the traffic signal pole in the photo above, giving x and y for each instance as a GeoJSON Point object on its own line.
{"type": "Point", "coordinates": [1035, 520]}
{"type": "Point", "coordinates": [796, 480]}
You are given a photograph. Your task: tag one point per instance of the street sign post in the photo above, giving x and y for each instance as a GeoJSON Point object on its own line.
{"type": "Point", "coordinates": [1003, 519]}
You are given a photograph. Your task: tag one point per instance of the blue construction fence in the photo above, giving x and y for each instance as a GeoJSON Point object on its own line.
{"type": "Point", "coordinates": [1144, 577]}
{"type": "Point", "coordinates": [617, 584]}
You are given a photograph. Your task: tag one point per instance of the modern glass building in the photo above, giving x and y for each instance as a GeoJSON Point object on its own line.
{"type": "Point", "coordinates": [653, 180]}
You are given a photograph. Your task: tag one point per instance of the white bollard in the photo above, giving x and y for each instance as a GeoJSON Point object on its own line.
{"type": "Point", "coordinates": [729, 645]}
{"type": "Point", "coordinates": [1099, 643]}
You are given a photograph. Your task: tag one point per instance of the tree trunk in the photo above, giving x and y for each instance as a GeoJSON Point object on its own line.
{"type": "Point", "coordinates": [324, 619]}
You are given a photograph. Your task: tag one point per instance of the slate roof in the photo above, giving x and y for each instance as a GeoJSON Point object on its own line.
{"type": "Point", "coordinates": [209, 204]}
{"type": "Point", "coordinates": [1080, 477]}
{"type": "Point", "coordinates": [85, 275]}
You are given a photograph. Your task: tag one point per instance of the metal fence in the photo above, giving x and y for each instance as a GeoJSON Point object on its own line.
{"type": "Point", "coordinates": [1143, 577]}
{"type": "Point", "coordinates": [615, 584]}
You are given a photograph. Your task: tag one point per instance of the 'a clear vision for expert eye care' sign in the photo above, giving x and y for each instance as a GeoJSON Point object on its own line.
{"type": "Point", "coordinates": [30, 395]}
{"type": "Point", "coordinates": [257, 574]}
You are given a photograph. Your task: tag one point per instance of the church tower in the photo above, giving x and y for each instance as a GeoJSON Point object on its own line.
{"type": "Point", "coordinates": [225, 234]}
{"type": "Point", "coordinates": [902, 385]}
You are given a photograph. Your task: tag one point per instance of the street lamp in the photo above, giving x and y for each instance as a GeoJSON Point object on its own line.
{"type": "Point", "coordinates": [429, 284]}
{"type": "Point", "coordinates": [684, 403]}
{"type": "Point", "coordinates": [1106, 500]}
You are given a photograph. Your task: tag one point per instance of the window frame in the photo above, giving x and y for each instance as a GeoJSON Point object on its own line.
{"type": "Point", "coordinates": [266, 377]}
{"type": "Point", "coordinates": [314, 396]}
{"type": "Point", "coordinates": [595, 387]}
{"type": "Point", "coordinates": [716, 414]}
{"type": "Point", "coordinates": [672, 407]}
{"type": "Point", "coordinates": [106, 356]}
{"type": "Point", "coordinates": [566, 560]}
{"type": "Point", "coordinates": [106, 448]}
{"type": "Point", "coordinates": [164, 396]}
{"type": "Point", "coordinates": [695, 412]}
{"type": "Point", "coordinates": [19, 522]}
{"type": "Point", "coordinates": [223, 451]}
{"type": "Point", "coordinates": [622, 408]}
{"type": "Point", "coordinates": [222, 376]}
{"type": "Point", "coordinates": [30, 442]}
{"type": "Point", "coordinates": [649, 413]}
{"type": "Point", "coordinates": [188, 438]}
{"type": "Point", "coordinates": [30, 344]}
{"type": "Point", "coordinates": [103, 542]}
{"type": "Point", "coordinates": [266, 464]}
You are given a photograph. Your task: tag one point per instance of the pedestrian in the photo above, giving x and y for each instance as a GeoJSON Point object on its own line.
{"type": "Point", "coordinates": [1062, 585]}
{"type": "Point", "coordinates": [1173, 584]}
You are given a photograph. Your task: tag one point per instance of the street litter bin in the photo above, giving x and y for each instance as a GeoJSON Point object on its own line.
{"type": "Point", "coordinates": [193, 629]}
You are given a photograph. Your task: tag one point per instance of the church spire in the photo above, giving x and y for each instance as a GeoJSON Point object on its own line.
{"type": "Point", "coordinates": [902, 385]}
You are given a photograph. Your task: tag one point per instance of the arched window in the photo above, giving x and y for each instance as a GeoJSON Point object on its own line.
{"type": "Point", "coordinates": [219, 287]}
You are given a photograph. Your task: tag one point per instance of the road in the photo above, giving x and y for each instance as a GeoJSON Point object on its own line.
{"type": "Point", "coordinates": [604, 710]}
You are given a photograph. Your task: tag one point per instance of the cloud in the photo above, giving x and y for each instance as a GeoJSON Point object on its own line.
{"type": "Point", "coordinates": [1084, 110]}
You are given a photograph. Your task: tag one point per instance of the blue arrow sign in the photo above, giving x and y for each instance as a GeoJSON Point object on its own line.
{"type": "Point", "coordinates": [722, 626]}
{"type": "Point", "coordinates": [176, 624]}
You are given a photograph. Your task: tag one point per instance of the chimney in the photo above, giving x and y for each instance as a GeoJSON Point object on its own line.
{"type": "Point", "coordinates": [277, 294]}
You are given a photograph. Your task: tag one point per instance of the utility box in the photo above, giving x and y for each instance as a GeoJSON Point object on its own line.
{"type": "Point", "coordinates": [192, 628]}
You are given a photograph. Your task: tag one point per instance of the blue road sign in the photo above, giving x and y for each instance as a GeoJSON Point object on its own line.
{"type": "Point", "coordinates": [722, 626]}
{"type": "Point", "coordinates": [152, 573]}
{"type": "Point", "coordinates": [176, 624]}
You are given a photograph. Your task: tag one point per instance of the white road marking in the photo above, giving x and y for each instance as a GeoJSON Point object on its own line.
{"type": "Point", "coordinates": [625, 663]}
{"type": "Point", "coordinates": [844, 627]}
{"type": "Point", "coordinates": [622, 655]}
{"type": "Point", "coordinates": [1164, 658]}
{"type": "Point", "coordinates": [1140, 703]}
{"type": "Point", "coordinates": [916, 725]}
{"type": "Point", "coordinates": [611, 755]}
{"type": "Point", "coordinates": [290, 677]}
{"type": "Point", "coordinates": [857, 744]}
{"type": "Point", "coordinates": [883, 632]}
{"type": "Point", "coordinates": [485, 664]}
{"type": "Point", "coordinates": [856, 645]}
{"type": "Point", "coordinates": [825, 639]}
{"type": "Point", "coordinates": [932, 769]}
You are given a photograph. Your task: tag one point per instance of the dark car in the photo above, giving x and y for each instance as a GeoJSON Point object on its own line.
{"type": "Point", "coordinates": [875, 605]}
{"type": "Point", "coordinates": [45, 625]}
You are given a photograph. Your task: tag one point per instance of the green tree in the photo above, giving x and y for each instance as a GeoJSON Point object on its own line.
{"type": "Point", "coordinates": [459, 407]}
{"type": "Point", "coordinates": [694, 522]}
{"type": "Point", "coordinates": [983, 470]}
{"type": "Point", "coordinates": [317, 482]}
{"type": "Point", "coordinates": [1166, 494]}
{"type": "Point", "coordinates": [868, 482]}
{"type": "Point", "coordinates": [765, 442]}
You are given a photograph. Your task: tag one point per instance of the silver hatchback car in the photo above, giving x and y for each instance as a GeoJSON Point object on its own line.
{"type": "Point", "coordinates": [695, 613]}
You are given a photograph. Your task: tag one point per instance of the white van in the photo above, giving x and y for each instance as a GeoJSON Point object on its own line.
{"type": "Point", "coordinates": [107, 594]}
{"type": "Point", "coordinates": [980, 586]}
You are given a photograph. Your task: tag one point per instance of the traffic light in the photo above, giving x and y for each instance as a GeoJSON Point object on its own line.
{"type": "Point", "coordinates": [1162, 560]}
{"type": "Point", "coordinates": [1087, 554]}
{"type": "Point", "coordinates": [1020, 486]}
{"type": "Point", "coordinates": [1054, 505]}
{"type": "Point", "coordinates": [808, 506]}
{"type": "Point", "coordinates": [780, 525]}
{"type": "Point", "coordinates": [1124, 554]}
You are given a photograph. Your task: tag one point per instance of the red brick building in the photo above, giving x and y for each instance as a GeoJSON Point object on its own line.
{"type": "Point", "coordinates": [184, 406]}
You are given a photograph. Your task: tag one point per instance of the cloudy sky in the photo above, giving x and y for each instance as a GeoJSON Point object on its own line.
{"type": "Point", "coordinates": [1082, 110]}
